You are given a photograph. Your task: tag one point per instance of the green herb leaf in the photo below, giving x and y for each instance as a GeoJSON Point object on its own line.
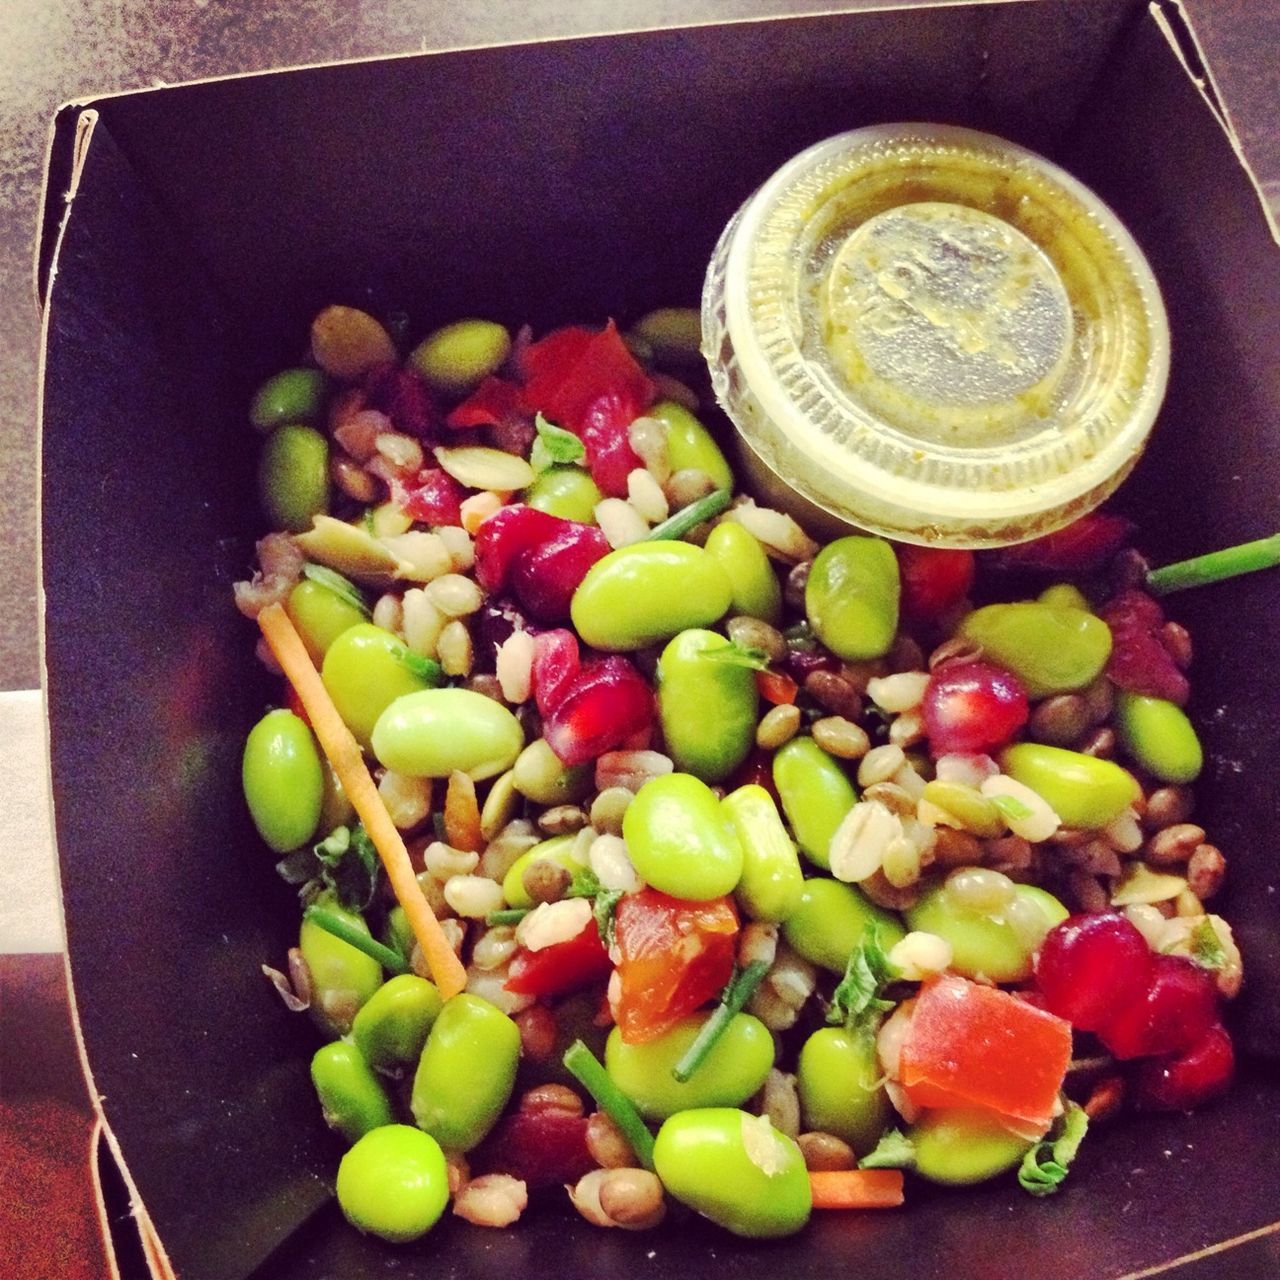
{"type": "Point", "coordinates": [554, 446]}
{"type": "Point", "coordinates": [605, 909]}
{"type": "Point", "coordinates": [349, 865]}
{"type": "Point", "coordinates": [1011, 807]}
{"type": "Point", "coordinates": [323, 576]}
{"type": "Point", "coordinates": [1045, 1166]}
{"type": "Point", "coordinates": [1206, 947]}
{"type": "Point", "coordinates": [509, 915]}
{"type": "Point", "coordinates": [894, 1151]}
{"type": "Point", "coordinates": [584, 884]}
{"type": "Point", "coordinates": [427, 669]}
{"type": "Point", "coordinates": [737, 655]}
{"type": "Point", "coordinates": [858, 1002]}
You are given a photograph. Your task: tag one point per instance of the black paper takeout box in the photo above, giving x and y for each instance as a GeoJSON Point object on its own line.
{"type": "Point", "coordinates": [567, 181]}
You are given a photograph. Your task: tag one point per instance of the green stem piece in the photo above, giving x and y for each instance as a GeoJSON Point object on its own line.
{"type": "Point", "coordinates": [586, 1067]}
{"type": "Point", "coordinates": [740, 989]}
{"type": "Point", "coordinates": [332, 923]}
{"type": "Point", "coordinates": [509, 915]}
{"type": "Point", "coordinates": [1248, 557]}
{"type": "Point", "coordinates": [690, 517]}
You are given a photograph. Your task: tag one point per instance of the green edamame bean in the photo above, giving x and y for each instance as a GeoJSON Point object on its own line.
{"type": "Point", "coordinates": [283, 780]}
{"type": "Point", "coordinates": [557, 849]}
{"type": "Point", "coordinates": [734, 1069]}
{"type": "Point", "coordinates": [816, 795]}
{"type": "Point", "coordinates": [680, 840]}
{"type": "Point", "coordinates": [320, 615]}
{"type": "Point", "coordinates": [690, 446]}
{"type": "Point", "coordinates": [1050, 648]}
{"type": "Point", "coordinates": [351, 1097]}
{"type": "Point", "coordinates": [393, 1024]}
{"type": "Point", "coordinates": [985, 946]}
{"type": "Point", "coordinates": [707, 708]}
{"type": "Point", "coordinates": [735, 1169]}
{"type": "Point", "coordinates": [293, 477]}
{"type": "Point", "coordinates": [342, 978]}
{"type": "Point", "coordinates": [466, 1072]}
{"type": "Point", "coordinates": [567, 492]}
{"type": "Point", "coordinates": [831, 919]}
{"type": "Point", "coordinates": [672, 333]}
{"type": "Point", "coordinates": [539, 775]}
{"type": "Point", "coordinates": [432, 733]}
{"type": "Point", "coordinates": [1157, 735]}
{"type": "Point", "coordinates": [1082, 790]}
{"type": "Point", "coordinates": [393, 1183]}
{"type": "Point", "coordinates": [453, 359]}
{"type": "Point", "coordinates": [957, 1146]}
{"type": "Point", "coordinates": [772, 881]}
{"type": "Point", "coordinates": [648, 592]}
{"type": "Point", "coordinates": [293, 395]}
{"type": "Point", "coordinates": [851, 597]}
{"type": "Point", "coordinates": [839, 1082]}
{"type": "Point", "coordinates": [365, 670]}
{"type": "Point", "coordinates": [1065, 595]}
{"type": "Point", "coordinates": [756, 591]}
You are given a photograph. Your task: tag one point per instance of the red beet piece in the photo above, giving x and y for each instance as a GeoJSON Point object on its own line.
{"type": "Point", "coordinates": [1083, 547]}
{"type": "Point", "coordinates": [1175, 1011]}
{"type": "Point", "coordinates": [555, 668]}
{"type": "Point", "coordinates": [1188, 1080]}
{"type": "Point", "coordinates": [607, 702]}
{"type": "Point", "coordinates": [972, 706]}
{"type": "Point", "coordinates": [1139, 660]}
{"type": "Point", "coordinates": [504, 535]}
{"type": "Point", "coordinates": [934, 580]}
{"type": "Point", "coordinates": [433, 497]}
{"type": "Point", "coordinates": [544, 1147]}
{"type": "Point", "coordinates": [1090, 966]}
{"type": "Point", "coordinates": [403, 396]}
{"type": "Point", "coordinates": [545, 577]}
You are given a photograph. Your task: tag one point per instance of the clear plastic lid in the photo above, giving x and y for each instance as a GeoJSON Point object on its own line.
{"type": "Point", "coordinates": [937, 335]}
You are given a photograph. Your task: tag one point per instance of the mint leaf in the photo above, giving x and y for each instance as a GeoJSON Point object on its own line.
{"type": "Point", "coordinates": [1045, 1166]}
{"type": "Point", "coordinates": [737, 655]}
{"type": "Point", "coordinates": [1011, 807]}
{"type": "Point", "coordinates": [604, 909]}
{"type": "Point", "coordinates": [858, 1001]}
{"type": "Point", "coordinates": [1206, 947]}
{"type": "Point", "coordinates": [347, 590]}
{"type": "Point", "coordinates": [349, 866]}
{"type": "Point", "coordinates": [894, 1151]}
{"type": "Point", "coordinates": [584, 884]}
{"type": "Point", "coordinates": [554, 446]}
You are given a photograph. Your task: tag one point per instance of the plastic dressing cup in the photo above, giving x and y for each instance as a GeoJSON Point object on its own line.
{"type": "Point", "coordinates": [936, 335]}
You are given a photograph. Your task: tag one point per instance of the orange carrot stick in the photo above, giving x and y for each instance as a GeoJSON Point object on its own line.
{"type": "Point", "coordinates": [348, 763]}
{"type": "Point", "coordinates": [857, 1189]}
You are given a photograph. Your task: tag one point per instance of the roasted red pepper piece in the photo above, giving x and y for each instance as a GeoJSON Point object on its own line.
{"type": "Point", "coordinates": [563, 966]}
{"type": "Point", "coordinates": [590, 384]}
{"type": "Point", "coordinates": [493, 403]}
{"type": "Point", "coordinates": [675, 956]}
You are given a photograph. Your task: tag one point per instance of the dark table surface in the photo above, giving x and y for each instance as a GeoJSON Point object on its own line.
{"type": "Point", "coordinates": [52, 51]}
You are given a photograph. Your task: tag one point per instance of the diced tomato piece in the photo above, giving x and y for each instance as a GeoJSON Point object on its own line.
{"type": "Point", "coordinates": [433, 497]}
{"type": "Point", "coordinates": [776, 687]}
{"type": "Point", "coordinates": [934, 580]}
{"type": "Point", "coordinates": [1082, 547]}
{"type": "Point", "coordinates": [563, 966]}
{"type": "Point", "coordinates": [676, 955]}
{"type": "Point", "coordinates": [491, 404]}
{"type": "Point", "coordinates": [968, 1045]}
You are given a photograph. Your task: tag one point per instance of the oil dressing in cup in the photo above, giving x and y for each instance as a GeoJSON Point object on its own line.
{"type": "Point", "coordinates": [934, 334]}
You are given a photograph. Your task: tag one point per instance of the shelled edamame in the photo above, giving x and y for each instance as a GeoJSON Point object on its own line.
{"type": "Point", "coordinates": [806, 823]}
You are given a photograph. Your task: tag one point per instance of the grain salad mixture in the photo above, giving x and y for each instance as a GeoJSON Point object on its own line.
{"type": "Point", "coordinates": [651, 849]}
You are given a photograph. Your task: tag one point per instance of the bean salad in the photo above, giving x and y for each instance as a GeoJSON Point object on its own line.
{"type": "Point", "coordinates": [651, 850]}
